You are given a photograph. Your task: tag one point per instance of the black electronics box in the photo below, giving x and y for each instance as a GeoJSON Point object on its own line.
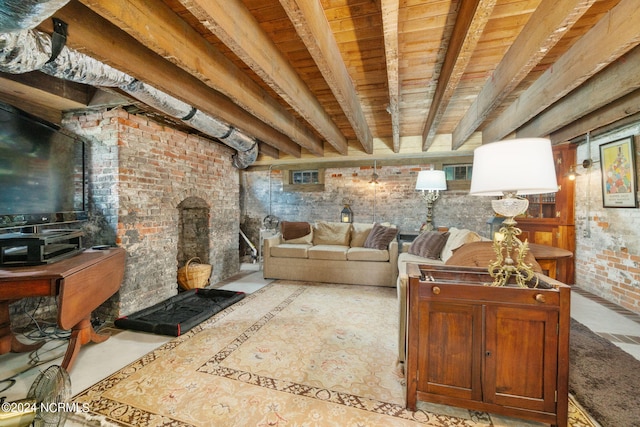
{"type": "Point", "coordinates": [46, 247]}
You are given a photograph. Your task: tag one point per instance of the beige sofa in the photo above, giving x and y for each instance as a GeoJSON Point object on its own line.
{"type": "Point", "coordinates": [332, 253]}
{"type": "Point", "coordinates": [455, 239]}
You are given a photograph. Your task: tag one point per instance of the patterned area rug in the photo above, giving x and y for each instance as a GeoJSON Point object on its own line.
{"type": "Point", "coordinates": [292, 353]}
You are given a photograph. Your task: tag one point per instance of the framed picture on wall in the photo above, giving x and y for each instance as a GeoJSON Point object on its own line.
{"type": "Point", "coordinates": [618, 165]}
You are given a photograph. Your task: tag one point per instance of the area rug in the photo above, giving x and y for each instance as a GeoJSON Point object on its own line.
{"type": "Point", "coordinates": [292, 353]}
{"type": "Point", "coordinates": [181, 312]}
{"type": "Point", "coordinates": [604, 378]}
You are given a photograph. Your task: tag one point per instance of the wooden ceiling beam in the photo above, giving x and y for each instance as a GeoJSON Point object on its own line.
{"type": "Point", "coordinates": [76, 95]}
{"type": "Point", "coordinates": [613, 36]}
{"type": "Point", "coordinates": [159, 29]}
{"type": "Point", "coordinates": [313, 28]}
{"type": "Point", "coordinates": [615, 81]}
{"type": "Point", "coordinates": [235, 26]}
{"type": "Point", "coordinates": [24, 101]}
{"type": "Point", "coordinates": [546, 26]}
{"type": "Point", "coordinates": [467, 30]}
{"type": "Point", "coordinates": [619, 110]}
{"type": "Point", "coordinates": [44, 96]}
{"type": "Point", "coordinates": [390, 29]}
{"type": "Point", "coordinates": [267, 150]}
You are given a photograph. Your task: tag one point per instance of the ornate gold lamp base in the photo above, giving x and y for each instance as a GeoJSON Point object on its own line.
{"type": "Point", "coordinates": [510, 250]}
{"type": "Point", "coordinates": [430, 197]}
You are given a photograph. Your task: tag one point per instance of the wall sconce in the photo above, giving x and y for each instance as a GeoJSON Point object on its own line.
{"type": "Point", "coordinates": [346, 215]}
{"type": "Point", "coordinates": [430, 182]}
{"type": "Point", "coordinates": [510, 169]}
{"type": "Point", "coordinates": [374, 175]}
{"type": "Point", "coordinates": [571, 173]}
{"type": "Point", "coordinates": [374, 182]}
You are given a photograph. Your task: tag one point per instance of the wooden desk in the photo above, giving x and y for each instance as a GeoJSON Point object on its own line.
{"type": "Point", "coordinates": [550, 258]}
{"type": "Point", "coordinates": [81, 283]}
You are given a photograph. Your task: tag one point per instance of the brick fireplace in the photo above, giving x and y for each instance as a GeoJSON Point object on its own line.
{"type": "Point", "coordinates": [164, 196]}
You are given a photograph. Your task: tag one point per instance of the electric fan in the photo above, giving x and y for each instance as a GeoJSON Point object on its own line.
{"type": "Point", "coordinates": [270, 222]}
{"type": "Point", "coordinates": [41, 407]}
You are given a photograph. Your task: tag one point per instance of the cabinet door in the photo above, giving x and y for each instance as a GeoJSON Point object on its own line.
{"type": "Point", "coordinates": [521, 357]}
{"type": "Point", "coordinates": [449, 349]}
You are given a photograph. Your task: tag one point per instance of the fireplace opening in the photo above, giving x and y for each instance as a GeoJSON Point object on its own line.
{"type": "Point", "coordinates": [193, 231]}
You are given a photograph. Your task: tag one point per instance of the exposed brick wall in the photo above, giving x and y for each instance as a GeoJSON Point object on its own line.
{"type": "Point", "coordinates": [140, 172]}
{"type": "Point", "coordinates": [607, 239]}
{"type": "Point", "coordinates": [396, 199]}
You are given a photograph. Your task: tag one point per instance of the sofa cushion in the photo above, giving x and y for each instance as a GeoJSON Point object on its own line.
{"type": "Point", "coordinates": [331, 233]}
{"type": "Point", "coordinates": [481, 254]}
{"type": "Point", "coordinates": [367, 254]}
{"type": "Point", "coordinates": [429, 244]}
{"type": "Point", "coordinates": [359, 234]}
{"type": "Point", "coordinates": [290, 250]}
{"type": "Point", "coordinates": [380, 237]}
{"type": "Point", "coordinates": [457, 238]}
{"type": "Point", "coordinates": [294, 230]}
{"type": "Point", "coordinates": [333, 252]}
{"type": "Point", "coordinates": [406, 258]}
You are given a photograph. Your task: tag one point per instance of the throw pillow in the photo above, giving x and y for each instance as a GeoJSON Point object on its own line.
{"type": "Point", "coordinates": [429, 244]}
{"type": "Point", "coordinates": [331, 233]}
{"type": "Point", "coordinates": [294, 230]}
{"type": "Point", "coordinates": [307, 239]}
{"type": "Point", "coordinates": [457, 238]}
{"type": "Point", "coordinates": [359, 234]}
{"type": "Point", "coordinates": [380, 237]}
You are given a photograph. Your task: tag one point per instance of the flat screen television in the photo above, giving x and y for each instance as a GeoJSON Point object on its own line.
{"type": "Point", "coordinates": [42, 172]}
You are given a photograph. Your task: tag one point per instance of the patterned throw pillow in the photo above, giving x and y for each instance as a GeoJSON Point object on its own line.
{"type": "Point", "coordinates": [429, 244]}
{"type": "Point", "coordinates": [380, 237]}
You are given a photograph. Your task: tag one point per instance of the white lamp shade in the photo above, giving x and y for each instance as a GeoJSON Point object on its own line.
{"type": "Point", "coordinates": [431, 180]}
{"type": "Point", "coordinates": [523, 166]}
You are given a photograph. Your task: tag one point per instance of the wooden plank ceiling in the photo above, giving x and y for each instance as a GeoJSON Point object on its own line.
{"type": "Point", "coordinates": [314, 80]}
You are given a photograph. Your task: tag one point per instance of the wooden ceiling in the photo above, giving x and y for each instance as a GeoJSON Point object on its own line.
{"type": "Point", "coordinates": [363, 79]}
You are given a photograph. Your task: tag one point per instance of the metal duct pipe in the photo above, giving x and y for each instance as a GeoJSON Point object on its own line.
{"type": "Point", "coordinates": [246, 146]}
{"type": "Point", "coordinates": [30, 50]}
{"type": "Point", "coordinates": [18, 15]}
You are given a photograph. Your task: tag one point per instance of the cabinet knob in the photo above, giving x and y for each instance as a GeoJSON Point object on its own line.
{"type": "Point", "coordinates": [435, 290]}
{"type": "Point", "coordinates": [541, 298]}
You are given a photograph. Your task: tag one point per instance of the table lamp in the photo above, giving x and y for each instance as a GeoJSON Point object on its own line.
{"type": "Point", "coordinates": [430, 182]}
{"type": "Point", "coordinates": [510, 169]}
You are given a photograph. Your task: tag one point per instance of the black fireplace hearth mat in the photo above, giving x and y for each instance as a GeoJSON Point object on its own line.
{"type": "Point", "coordinates": [180, 313]}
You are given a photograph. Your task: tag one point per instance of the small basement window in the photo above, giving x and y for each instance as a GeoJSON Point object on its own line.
{"type": "Point", "coordinates": [304, 180]}
{"type": "Point", "coordinates": [458, 172]}
{"type": "Point", "coordinates": [304, 177]}
{"type": "Point", "coordinates": [458, 176]}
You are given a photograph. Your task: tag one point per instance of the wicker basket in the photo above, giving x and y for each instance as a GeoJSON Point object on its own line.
{"type": "Point", "coordinates": [194, 275]}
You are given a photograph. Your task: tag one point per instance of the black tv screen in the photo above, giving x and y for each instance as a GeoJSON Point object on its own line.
{"type": "Point", "coordinates": [41, 172]}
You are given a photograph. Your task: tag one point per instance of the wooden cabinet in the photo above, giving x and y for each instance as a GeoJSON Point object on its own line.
{"type": "Point", "coordinates": [550, 217]}
{"type": "Point", "coordinates": [496, 349]}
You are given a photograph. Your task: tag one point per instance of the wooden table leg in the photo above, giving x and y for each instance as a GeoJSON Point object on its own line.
{"type": "Point", "coordinates": [8, 341]}
{"type": "Point", "coordinates": [81, 334]}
